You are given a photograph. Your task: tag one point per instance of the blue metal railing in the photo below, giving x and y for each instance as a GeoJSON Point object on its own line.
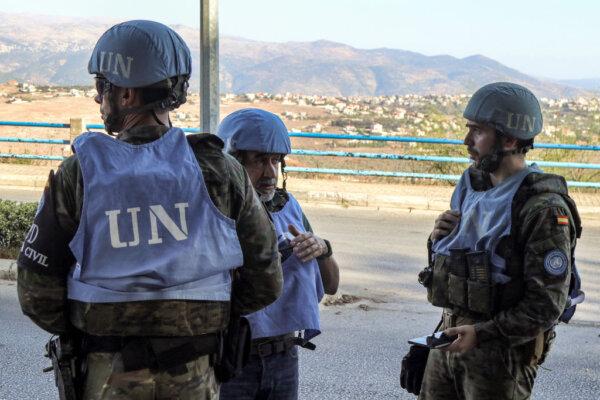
{"type": "Point", "coordinates": [39, 141]}
{"type": "Point", "coordinates": [34, 124]}
{"type": "Point", "coordinates": [411, 157]}
{"type": "Point", "coordinates": [32, 157]}
{"type": "Point", "coordinates": [333, 171]}
{"type": "Point", "coordinates": [336, 136]}
{"type": "Point", "coordinates": [412, 139]}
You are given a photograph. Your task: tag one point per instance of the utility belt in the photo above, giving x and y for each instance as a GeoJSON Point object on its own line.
{"type": "Point", "coordinates": [264, 347]}
{"type": "Point", "coordinates": [155, 353]}
{"type": "Point", "coordinates": [463, 281]}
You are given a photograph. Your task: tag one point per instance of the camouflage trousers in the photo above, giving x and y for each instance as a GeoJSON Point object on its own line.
{"type": "Point", "coordinates": [486, 372]}
{"type": "Point", "coordinates": [105, 380]}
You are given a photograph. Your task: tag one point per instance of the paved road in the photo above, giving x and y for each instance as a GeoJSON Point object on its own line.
{"type": "Point", "coordinates": [362, 343]}
{"type": "Point", "coordinates": [17, 194]}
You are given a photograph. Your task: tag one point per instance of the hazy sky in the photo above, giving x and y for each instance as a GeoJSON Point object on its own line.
{"type": "Point", "coordinates": [551, 38]}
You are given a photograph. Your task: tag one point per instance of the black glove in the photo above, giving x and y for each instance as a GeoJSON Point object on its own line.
{"type": "Point", "coordinates": [413, 368]}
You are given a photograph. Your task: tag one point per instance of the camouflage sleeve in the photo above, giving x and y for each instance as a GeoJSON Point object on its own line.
{"type": "Point", "coordinates": [43, 265]}
{"type": "Point", "coordinates": [546, 236]}
{"type": "Point", "coordinates": [259, 282]}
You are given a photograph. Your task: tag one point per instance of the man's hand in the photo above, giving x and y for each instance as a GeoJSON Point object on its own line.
{"type": "Point", "coordinates": [445, 223]}
{"type": "Point", "coordinates": [467, 339]}
{"type": "Point", "coordinates": [306, 245]}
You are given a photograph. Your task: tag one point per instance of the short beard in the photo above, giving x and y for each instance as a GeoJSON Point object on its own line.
{"type": "Point", "coordinates": [266, 197]}
{"type": "Point", "coordinates": [114, 119]}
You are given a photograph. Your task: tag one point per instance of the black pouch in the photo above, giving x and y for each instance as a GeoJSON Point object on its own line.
{"type": "Point", "coordinates": [479, 297]}
{"type": "Point", "coordinates": [437, 293]}
{"type": "Point", "coordinates": [457, 278]}
{"type": "Point", "coordinates": [235, 349]}
{"type": "Point", "coordinates": [480, 289]}
{"type": "Point", "coordinates": [457, 290]}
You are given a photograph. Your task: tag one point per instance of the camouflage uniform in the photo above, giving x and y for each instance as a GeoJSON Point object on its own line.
{"type": "Point", "coordinates": [43, 291]}
{"type": "Point", "coordinates": [106, 380]}
{"type": "Point", "coordinates": [516, 339]}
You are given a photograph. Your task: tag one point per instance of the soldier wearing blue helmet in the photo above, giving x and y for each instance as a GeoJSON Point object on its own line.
{"type": "Point", "coordinates": [141, 235]}
{"type": "Point", "coordinates": [121, 62]}
{"type": "Point", "coordinates": [260, 141]}
{"type": "Point", "coordinates": [501, 260]}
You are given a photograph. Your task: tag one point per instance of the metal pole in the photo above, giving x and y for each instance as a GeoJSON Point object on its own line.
{"type": "Point", "coordinates": [209, 66]}
{"type": "Point", "coordinates": [76, 128]}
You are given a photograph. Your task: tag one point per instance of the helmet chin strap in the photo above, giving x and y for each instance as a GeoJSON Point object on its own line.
{"type": "Point", "coordinates": [491, 162]}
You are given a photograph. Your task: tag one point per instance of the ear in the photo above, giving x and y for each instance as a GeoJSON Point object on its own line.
{"type": "Point", "coordinates": [130, 97]}
{"type": "Point", "coordinates": [509, 143]}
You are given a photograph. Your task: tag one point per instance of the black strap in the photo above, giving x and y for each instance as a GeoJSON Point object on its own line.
{"type": "Point", "coordinates": [305, 344]}
{"type": "Point", "coordinates": [279, 345]}
{"type": "Point", "coordinates": [157, 353]}
{"type": "Point", "coordinates": [271, 347]}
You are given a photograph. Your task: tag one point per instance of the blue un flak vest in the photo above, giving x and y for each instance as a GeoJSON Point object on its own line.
{"type": "Point", "coordinates": [486, 217]}
{"type": "Point", "coordinates": [298, 307]}
{"type": "Point", "coordinates": [148, 228]}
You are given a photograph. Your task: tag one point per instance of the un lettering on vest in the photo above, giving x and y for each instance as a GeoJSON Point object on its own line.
{"type": "Point", "coordinates": [521, 122]}
{"type": "Point", "coordinates": [116, 62]}
{"type": "Point", "coordinates": [156, 213]}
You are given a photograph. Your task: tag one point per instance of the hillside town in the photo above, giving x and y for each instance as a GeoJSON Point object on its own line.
{"type": "Point", "coordinates": [566, 120]}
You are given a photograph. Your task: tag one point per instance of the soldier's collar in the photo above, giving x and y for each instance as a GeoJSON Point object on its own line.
{"type": "Point", "coordinates": [142, 134]}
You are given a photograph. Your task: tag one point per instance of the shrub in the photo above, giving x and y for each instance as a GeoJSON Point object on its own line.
{"type": "Point", "coordinates": [15, 220]}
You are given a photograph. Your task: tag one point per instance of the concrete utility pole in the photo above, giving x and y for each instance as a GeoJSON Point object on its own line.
{"type": "Point", "coordinates": [209, 66]}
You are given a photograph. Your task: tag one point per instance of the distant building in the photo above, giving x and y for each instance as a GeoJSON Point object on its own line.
{"type": "Point", "coordinates": [27, 88]}
{"type": "Point", "coordinates": [377, 128]}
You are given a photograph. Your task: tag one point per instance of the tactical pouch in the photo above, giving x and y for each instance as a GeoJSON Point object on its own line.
{"type": "Point", "coordinates": [480, 289]}
{"type": "Point", "coordinates": [479, 297]}
{"type": "Point", "coordinates": [457, 290]}
{"type": "Point", "coordinates": [437, 293]}
{"type": "Point", "coordinates": [457, 277]}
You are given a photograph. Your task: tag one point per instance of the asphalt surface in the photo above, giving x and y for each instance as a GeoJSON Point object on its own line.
{"type": "Point", "coordinates": [20, 194]}
{"type": "Point", "coordinates": [359, 352]}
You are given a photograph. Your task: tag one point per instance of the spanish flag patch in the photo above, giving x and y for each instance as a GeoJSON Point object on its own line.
{"type": "Point", "coordinates": [562, 220]}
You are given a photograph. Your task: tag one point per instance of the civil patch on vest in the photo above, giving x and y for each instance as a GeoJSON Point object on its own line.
{"type": "Point", "coordinates": [556, 262]}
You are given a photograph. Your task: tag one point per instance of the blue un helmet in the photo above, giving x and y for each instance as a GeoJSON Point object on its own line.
{"type": "Point", "coordinates": [512, 110]}
{"type": "Point", "coordinates": [251, 129]}
{"type": "Point", "coordinates": [142, 54]}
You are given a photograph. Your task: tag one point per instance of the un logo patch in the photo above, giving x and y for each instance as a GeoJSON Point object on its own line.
{"type": "Point", "coordinates": [556, 262]}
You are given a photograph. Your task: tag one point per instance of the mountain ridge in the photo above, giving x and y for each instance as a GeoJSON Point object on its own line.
{"type": "Point", "coordinates": [55, 50]}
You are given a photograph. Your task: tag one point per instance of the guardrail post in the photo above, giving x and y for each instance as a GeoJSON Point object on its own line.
{"type": "Point", "coordinates": [76, 128]}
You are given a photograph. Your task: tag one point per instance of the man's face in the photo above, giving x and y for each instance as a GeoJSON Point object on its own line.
{"type": "Point", "coordinates": [102, 96]}
{"type": "Point", "coordinates": [480, 140]}
{"type": "Point", "coordinates": [263, 169]}
{"type": "Point", "coordinates": [106, 106]}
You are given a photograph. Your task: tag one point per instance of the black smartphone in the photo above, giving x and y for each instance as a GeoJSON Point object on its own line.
{"type": "Point", "coordinates": [436, 340]}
